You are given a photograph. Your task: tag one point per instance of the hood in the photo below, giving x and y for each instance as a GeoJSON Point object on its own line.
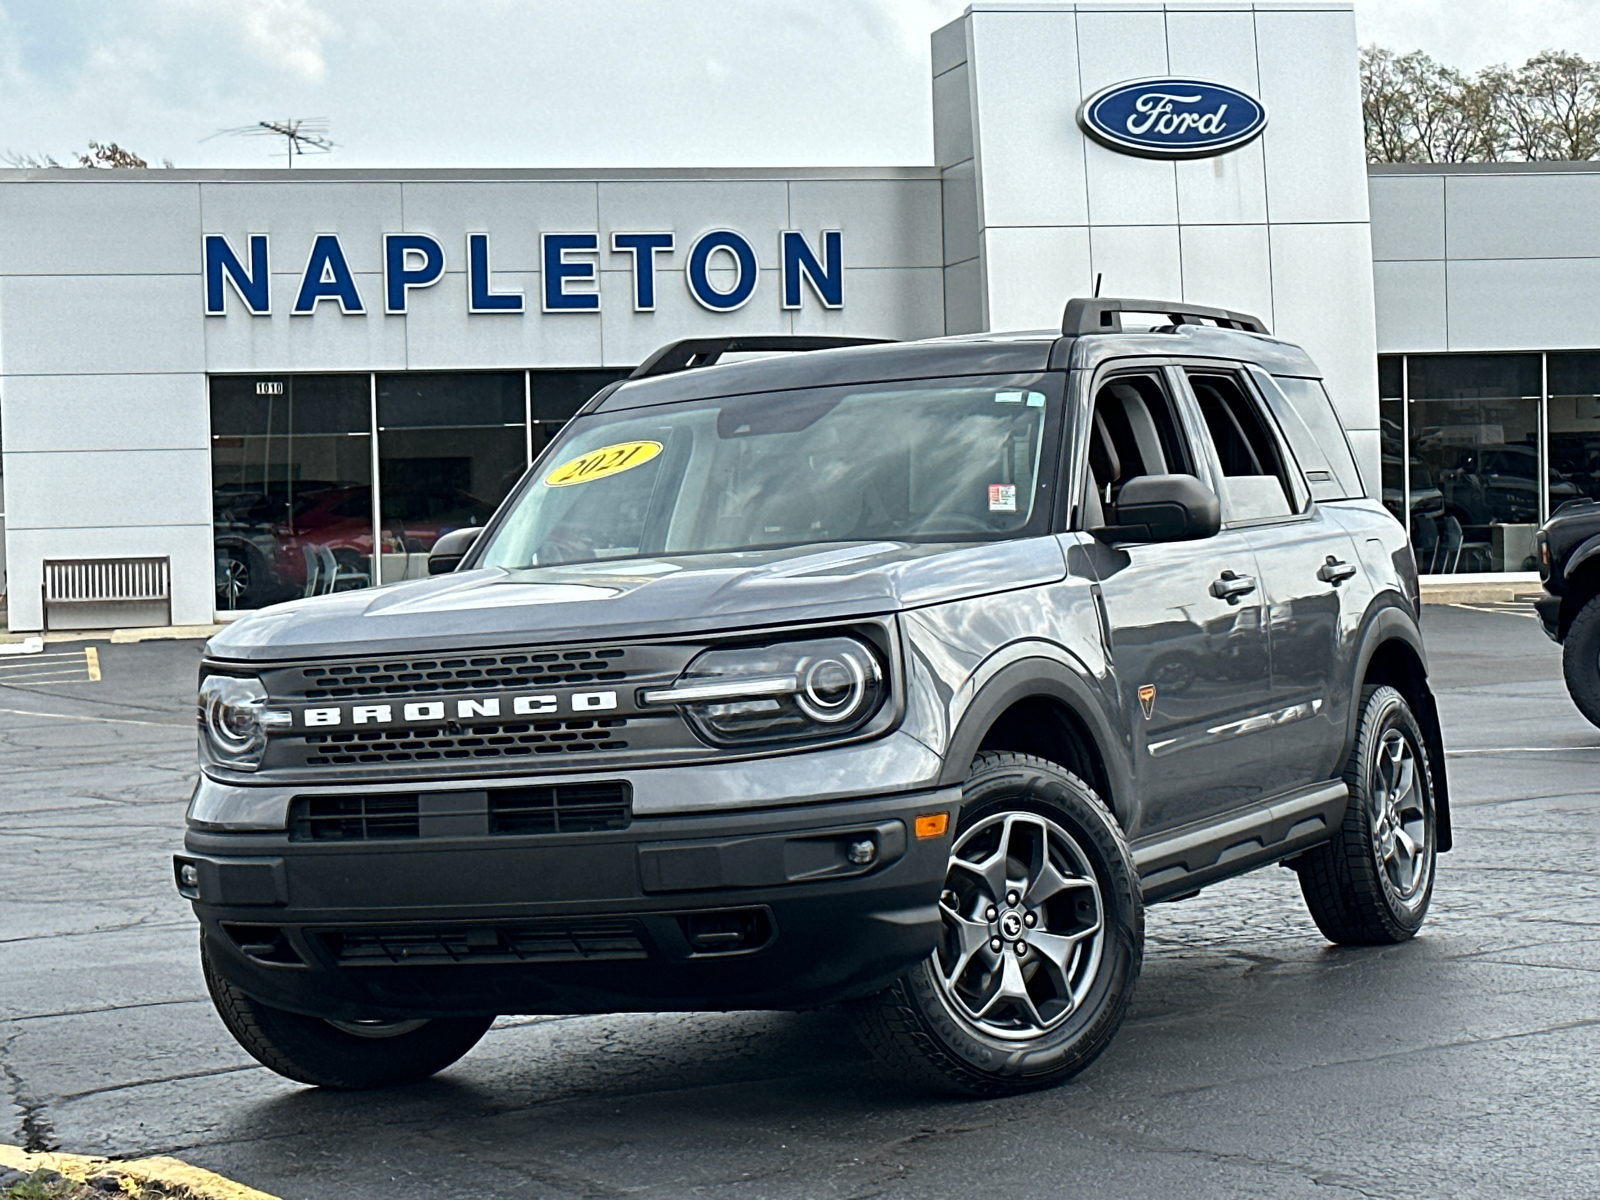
{"type": "Point", "coordinates": [637, 598]}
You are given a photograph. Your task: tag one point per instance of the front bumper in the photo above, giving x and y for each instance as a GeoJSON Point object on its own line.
{"type": "Point", "coordinates": [1549, 609]}
{"type": "Point", "coordinates": [756, 909]}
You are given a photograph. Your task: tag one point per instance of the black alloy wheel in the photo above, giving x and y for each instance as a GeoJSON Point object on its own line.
{"type": "Point", "coordinates": [1043, 940]}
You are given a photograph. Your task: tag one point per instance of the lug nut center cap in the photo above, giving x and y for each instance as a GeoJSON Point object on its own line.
{"type": "Point", "coordinates": [1011, 925]}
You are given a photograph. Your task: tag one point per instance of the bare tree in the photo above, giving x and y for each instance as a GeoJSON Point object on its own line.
{"type": "Point", "coordinates": [1418, 110]}
{"type": "Point", "coordinates": [98, 155]}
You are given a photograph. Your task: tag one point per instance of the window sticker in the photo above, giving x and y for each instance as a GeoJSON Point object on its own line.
{"type": "Point", "coordinates": [1035, 399]}
{"type": "Point", "coordinates": [1003, 497]}
{"type": "Point", "coordinates": [1008, 397]}
{"type": "Point", "coordinates": [597, 464]}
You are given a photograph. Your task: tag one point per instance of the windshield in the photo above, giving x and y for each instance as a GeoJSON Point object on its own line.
{"type": "Point", "coordinates": [927, 460]}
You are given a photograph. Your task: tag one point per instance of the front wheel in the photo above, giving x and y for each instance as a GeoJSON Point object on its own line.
{"type": "Point", "coordinates": [1043, 940]}
{"type": "Point", "coordinates": [347, 1055]}
{"type": "Point", "coordinates": [1371, 884]}
{"type": "Point", "coordinates": [1580, 660]}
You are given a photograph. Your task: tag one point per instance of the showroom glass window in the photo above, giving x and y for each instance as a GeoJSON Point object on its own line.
{"type": "Point", "coordinates": [1475, 463]}
{"type": "Point", "coordinates": [293, 478]}
{"type": "Point", "coordinates": [1574, 425]}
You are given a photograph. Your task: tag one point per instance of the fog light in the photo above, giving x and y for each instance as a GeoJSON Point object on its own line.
{"type": "Point", "coordinates": [189, 875]}
{"type": "Point", "coordinates": [862, 852]}
{"type": "Point", "coordinates": [932, 825]}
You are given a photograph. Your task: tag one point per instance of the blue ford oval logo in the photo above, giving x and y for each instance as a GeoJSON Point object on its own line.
{"type": "Point", "coordinates": [1172, 118]}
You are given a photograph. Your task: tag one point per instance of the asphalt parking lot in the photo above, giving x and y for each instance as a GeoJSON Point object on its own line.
{"type": "Point", "coordinates": [1258, 1060]}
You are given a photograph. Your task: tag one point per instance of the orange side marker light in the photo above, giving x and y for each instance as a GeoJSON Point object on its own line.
{"type": "Point", "coordinates": [932, 825]}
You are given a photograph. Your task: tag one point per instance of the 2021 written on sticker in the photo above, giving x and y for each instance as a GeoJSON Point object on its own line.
{"type": "Point", "coordinates": [597, 464]}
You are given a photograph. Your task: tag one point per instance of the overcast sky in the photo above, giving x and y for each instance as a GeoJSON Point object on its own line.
{"type": "Point", "coordinates": [560, 82]}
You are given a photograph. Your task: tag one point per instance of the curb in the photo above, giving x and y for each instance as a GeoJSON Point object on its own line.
{"type": "Point", "coordinates": [164, 1172]}
{"type": "Point", "coordinates": [120, 637]}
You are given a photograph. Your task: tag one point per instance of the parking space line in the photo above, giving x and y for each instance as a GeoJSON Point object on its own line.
{"type": "Point", "coordinates": [22, 712]}
{"type": "Point", "coordinates": [91, 660]}
{"type": "Point", "coordinates": [1519, 750]}
{"type": "Point", "coordinates": [1509, 611]}
{"type": "Point", "coordinates": [56, 667]}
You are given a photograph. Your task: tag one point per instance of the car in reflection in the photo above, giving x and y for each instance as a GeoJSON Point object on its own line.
{"type": "Point", "coordinates": [271, 548]}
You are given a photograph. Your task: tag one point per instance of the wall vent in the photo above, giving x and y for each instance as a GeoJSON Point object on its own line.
{"type": "Point", "coordinates": [104, 593]}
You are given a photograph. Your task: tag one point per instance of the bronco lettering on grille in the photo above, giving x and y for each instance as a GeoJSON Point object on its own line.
{"type": "Point", "coordinates": [465, 708]}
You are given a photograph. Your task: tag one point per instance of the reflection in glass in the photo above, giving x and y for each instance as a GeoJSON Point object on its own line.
{"type": "Point", "coordinates": [450, 446]}
{"type": "Point", "coordinates": [291, 487]}
{"type": "Point", "coordinates": [1474, 461]}
{"type": "Point", "coordinates": [1574, 425]}
{"type": "Point", "coordinates": [1391, 428]}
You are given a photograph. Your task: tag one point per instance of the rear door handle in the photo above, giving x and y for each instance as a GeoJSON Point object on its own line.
{"type": "Point", "coordinates": [1231, 587]}
{"type": "Point", "coordinates": [1335, 572]}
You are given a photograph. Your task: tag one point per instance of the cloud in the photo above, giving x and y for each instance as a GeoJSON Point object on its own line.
{"type": "Point", "coordinates": [287, 35]}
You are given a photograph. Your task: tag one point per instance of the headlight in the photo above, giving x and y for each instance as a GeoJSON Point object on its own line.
{"type": "Point", "coordinates": [788, 691]}
{"type": "Point", "coordinates": [234, 720]}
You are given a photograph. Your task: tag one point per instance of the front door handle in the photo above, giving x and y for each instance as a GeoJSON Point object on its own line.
{"type": "Point", "coordinates": [1231, 587]}
{"type": "Point", "coordinates": [1335, 572]}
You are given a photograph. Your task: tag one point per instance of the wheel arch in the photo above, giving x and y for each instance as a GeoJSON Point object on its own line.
{"type": "Point", "coordinates": [1392, 653]}
{"type": "Point", "coordinates": [1042, 707]}
{"type": "Point", "coordinates": [1581, 578]}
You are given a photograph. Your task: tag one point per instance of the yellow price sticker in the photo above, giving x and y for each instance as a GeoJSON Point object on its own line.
{"type": "Point", "coordinates": [597, 464]}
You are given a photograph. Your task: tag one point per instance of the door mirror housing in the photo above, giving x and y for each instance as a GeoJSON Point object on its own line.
{"type": "Point", "coordinates": [1162, 508]}
{"type": "Point", "coordinates": [451, 548]}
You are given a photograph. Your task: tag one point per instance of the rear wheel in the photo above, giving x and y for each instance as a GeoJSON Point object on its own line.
{"type": "Point", "coordinates": [1580, 660]}
{"type": "Point", "coordinates": [1043, 940]}
{"type": "Point", "coordinates": [347, 1055]}
{"type": "Point", "coordinates": [1372, 883]}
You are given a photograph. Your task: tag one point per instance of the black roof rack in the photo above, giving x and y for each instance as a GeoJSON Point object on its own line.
{"type": "Point", "coordinates": [689, 353]}
{"type": "Point", "coordinates": [1103, 315]}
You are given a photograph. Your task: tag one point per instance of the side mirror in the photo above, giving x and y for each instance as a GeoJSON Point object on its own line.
{"type": "Point", "coordinates": [450, 549]}
{"type": "Point", "coordinates": [1163, 508]}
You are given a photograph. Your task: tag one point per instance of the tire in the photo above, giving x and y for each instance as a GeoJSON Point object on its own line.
{"type": "Point", "coordinates": [348, 1056]}
{"type": "Point", "coordinates": [1580, 660]}
{"type": "Point", "coordinates": [1005, 1024]}
{"type": "Point", "coordinates": [1372, 883]}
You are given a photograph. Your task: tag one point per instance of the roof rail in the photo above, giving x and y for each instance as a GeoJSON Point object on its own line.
{"type": "Point", "coordinates": [689, 353]}
{"type": "Point", "coordinates": [1103, 315]}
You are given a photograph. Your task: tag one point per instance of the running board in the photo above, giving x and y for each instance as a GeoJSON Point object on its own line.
{"type": "Point", "coordinates": [1176, 864]}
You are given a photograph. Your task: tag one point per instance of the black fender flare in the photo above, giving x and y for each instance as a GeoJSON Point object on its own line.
{"type": "Point", "coordinates": [1389, 618]}
{"type": "Point", "coordinates": [1586, 552]}
{"type": "Point", "coordinates": [1037, 676]}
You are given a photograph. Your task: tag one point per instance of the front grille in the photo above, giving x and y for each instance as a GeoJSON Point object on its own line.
{"type": "Point", "coordinates": [355, 818]}
{"type": "Point", "coordinates": [437, 743]}
{"type": "Point", "coordinates": [572, 808]}
{"type": "Point", "coordinates": [545, 941]}
{"type": "Point", "coordinates": [507, 812]}
{"type": "Point", "coordinates": [423, 676]}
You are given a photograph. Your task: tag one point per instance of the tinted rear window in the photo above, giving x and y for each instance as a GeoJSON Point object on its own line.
{"type": "Point", "coordinates": [1305, 412]}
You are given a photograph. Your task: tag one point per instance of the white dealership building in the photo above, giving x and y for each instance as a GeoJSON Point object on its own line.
{"type": "Point", "coordinates": [219, 389]}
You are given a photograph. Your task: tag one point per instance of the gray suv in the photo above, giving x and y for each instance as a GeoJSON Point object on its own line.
{"type": "Point", "coordinates": [900, 675]}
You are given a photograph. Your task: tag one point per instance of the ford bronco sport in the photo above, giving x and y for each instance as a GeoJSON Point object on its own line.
{"type": "Point", "coordinates": [900, 675]}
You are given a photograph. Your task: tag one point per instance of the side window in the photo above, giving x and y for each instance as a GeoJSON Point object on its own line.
{"type": "Point", "coordinates": [1260, 481]}
{"type": "Point", "coordinates": [1134, 431]}
{"type": "Point", "coordinates": [1307, 401]}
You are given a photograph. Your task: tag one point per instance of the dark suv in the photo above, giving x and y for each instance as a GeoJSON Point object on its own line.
{"type": "Point", "coordinates": [1568, 550]}
{"type": "Point", "coordinates": [900, 675]}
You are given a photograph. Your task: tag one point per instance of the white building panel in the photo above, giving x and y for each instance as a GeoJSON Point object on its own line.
{"type": "Point", "coordinates": [1024, 73]}
{"type": "Point", "coordinates": [1136, 260]}
{"type": "Point", "coordinates": [84, 227]}
{"type": "Point", "coordinates": [758, 209]}
{"type": "Point", "coordinates": [1540, 214]}
{"type": "Point", "coordinates": [327, 340]}
{"type": "Point", "coordinates": [1410, 304]}
{"type": "Point", "coordinates": [1316, 158]}
{"type": "Point", "coordinates": [188, 547]}
{"type": "Point", "coordinates": [1407, 217]}
{"type": "Point", "coordinates": [1030, 273]}
{"type": "Point", "coordinates": [893, 302]}
{"type": "Point", "coordinates": [1229, 266]}
{"type": "Point", "coordinates": [1543, 304]}
{"type": "Point", "coordinates": [100, 324]}
{"type": "Point", "coordinates": [885, 222]}
{"type": "Point", "coordinates": [106, 412]}
{"type": "Point", "coordinates": [118, 489]}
